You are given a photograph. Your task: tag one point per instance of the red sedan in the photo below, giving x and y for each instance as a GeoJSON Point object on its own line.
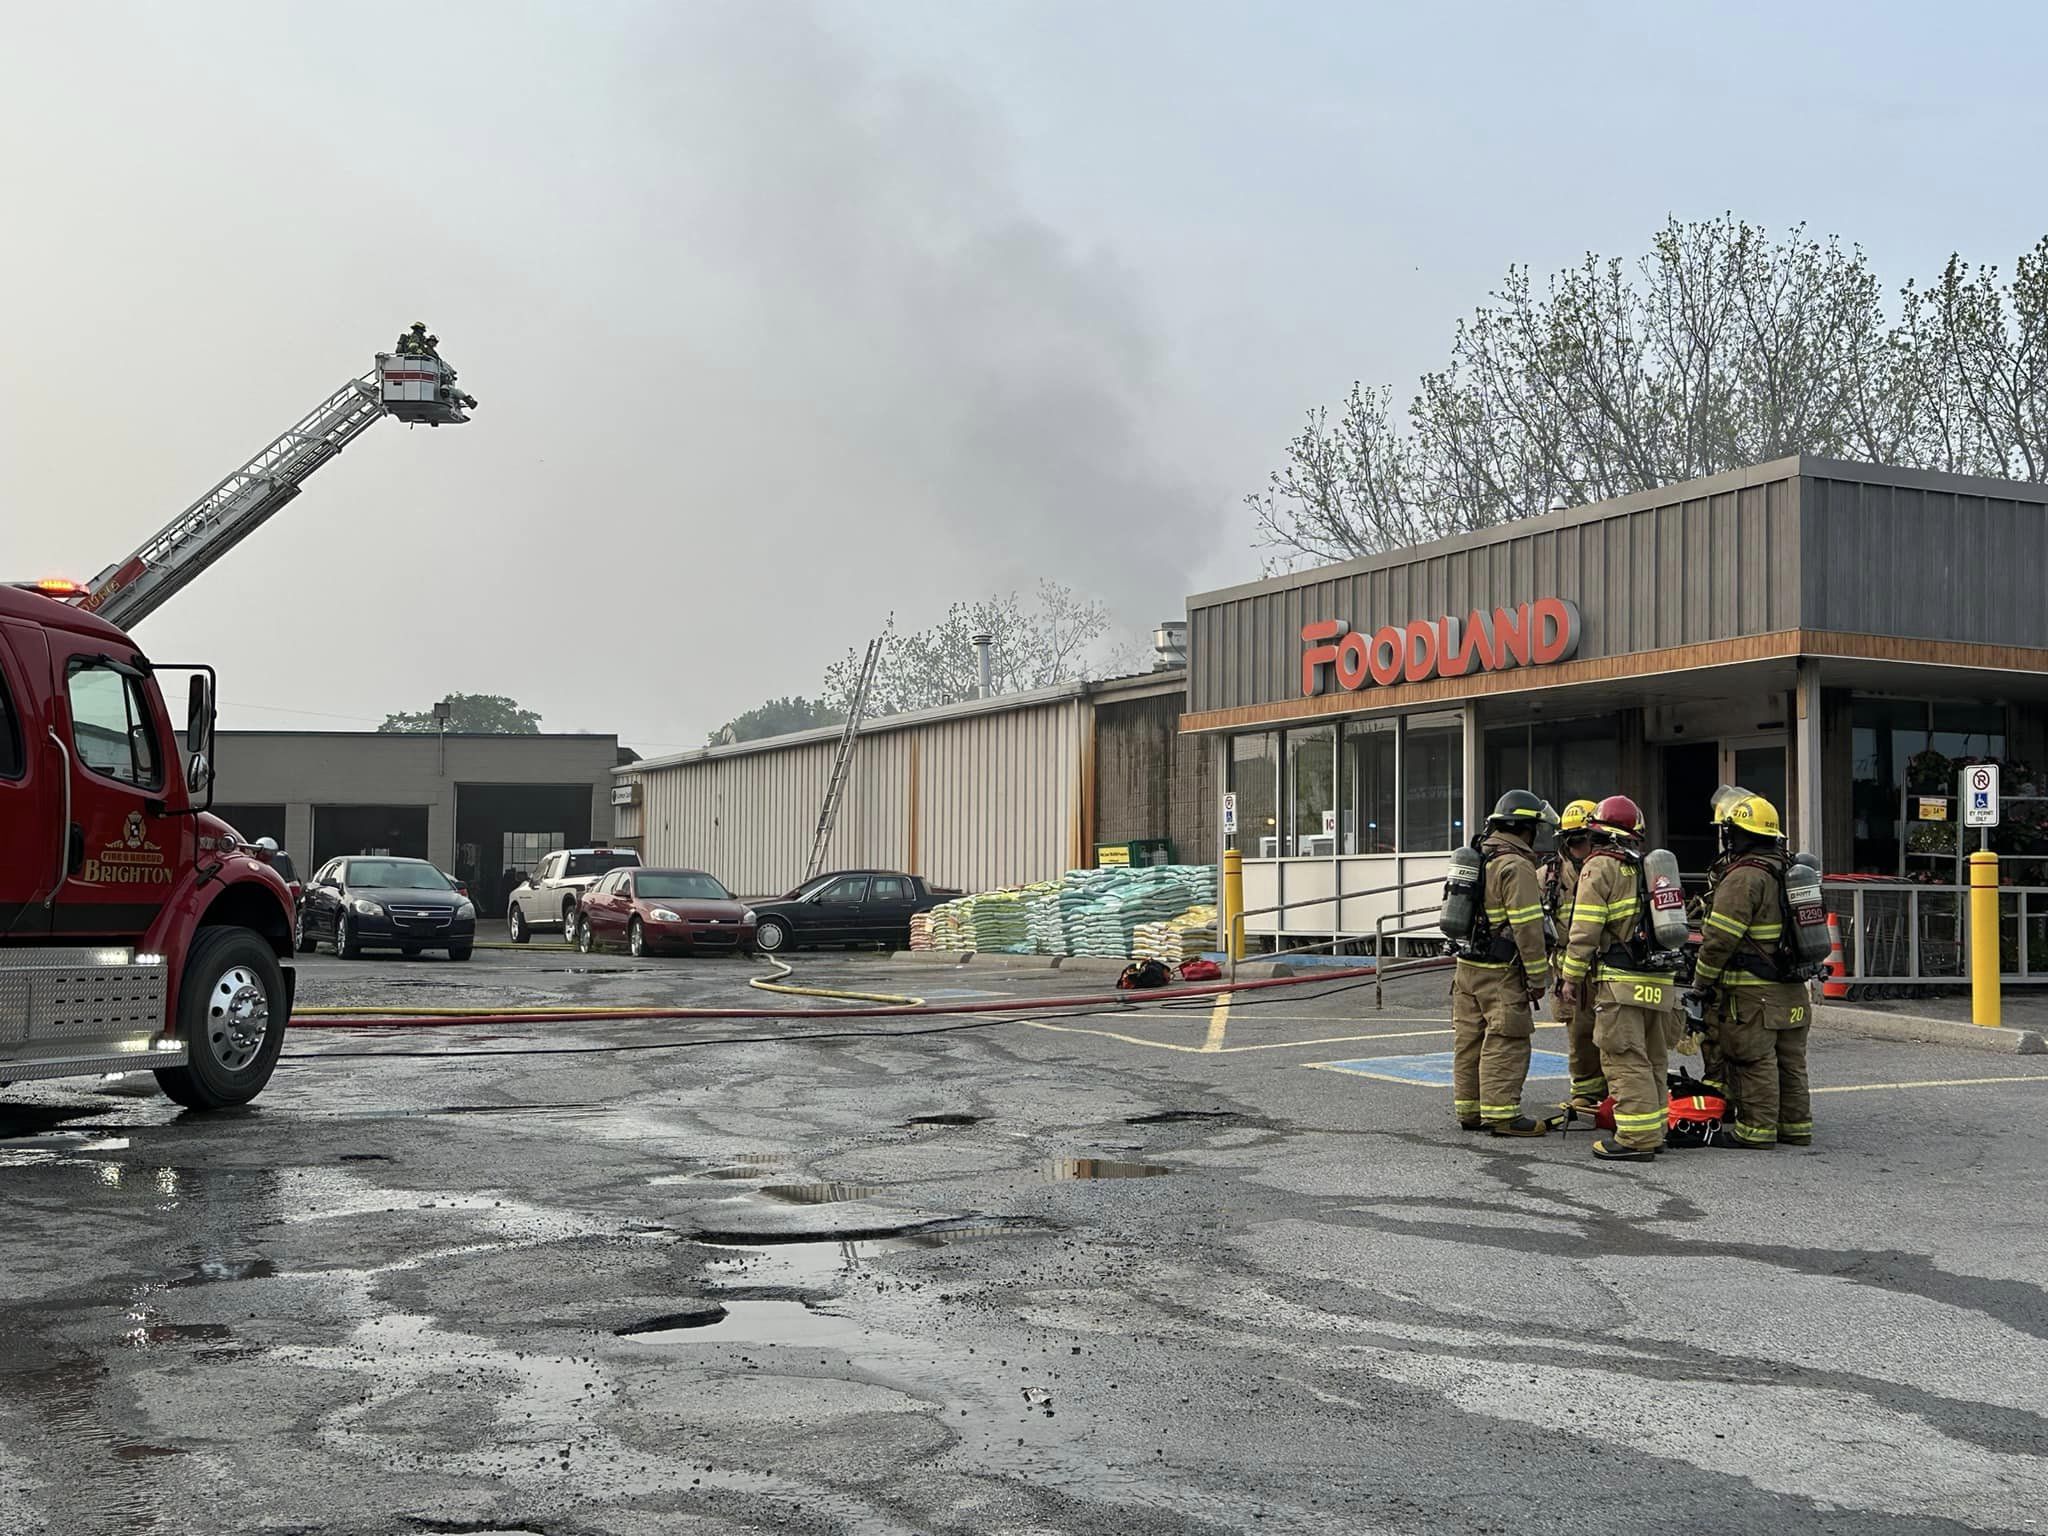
{"type": "Point", "coordinates": [653, 911]}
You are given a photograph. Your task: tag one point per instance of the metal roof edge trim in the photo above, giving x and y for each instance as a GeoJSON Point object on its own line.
{"type": "Point", "coordinates": [882, 725]}
{"type": "Point", "coordinates": [1814, 468]}
{"type": "Point", "coordinates": [1768, 473]}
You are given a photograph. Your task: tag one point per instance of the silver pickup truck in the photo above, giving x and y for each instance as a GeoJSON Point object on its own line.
{"type": "Point", "coordinates": [548, 898]}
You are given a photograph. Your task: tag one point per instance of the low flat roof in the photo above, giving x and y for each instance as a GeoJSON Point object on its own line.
{"type": "Point", "coordinates": [1137, 684]}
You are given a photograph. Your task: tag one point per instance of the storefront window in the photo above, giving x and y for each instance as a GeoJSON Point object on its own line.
{"type": "Point", "coordinates": [1561, 760]}
{"type": "Point", "coordinates": [1907, 750]}
{"type": "Point", "coordinates": [1312, 791]}
{"type": "Point", "coordinates": [1255, 780]}
{"type": "Point", "coordinates": [1432, 783]}
{"type": "Point", "coordinates": [1366, 787]}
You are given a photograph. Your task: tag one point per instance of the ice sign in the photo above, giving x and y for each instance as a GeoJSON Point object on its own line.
{"type": "Point", "coordinates": [1980, 795]}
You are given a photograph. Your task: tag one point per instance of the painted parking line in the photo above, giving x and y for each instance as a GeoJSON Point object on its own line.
{"type": "Point", "coordinates": [1433, 1069]}
{"type": "Point", "coordinates": [1934, 1082]}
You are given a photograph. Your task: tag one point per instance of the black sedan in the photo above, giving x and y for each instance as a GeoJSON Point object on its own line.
{"type": "Point", "coordinates": [384, 903]}
{"type": "Point", "coordinates": [851, 906]}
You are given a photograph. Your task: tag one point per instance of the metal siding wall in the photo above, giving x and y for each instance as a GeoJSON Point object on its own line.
{"type": "Point", "coordinates": [1689, 569]}
{"type": "Point", "coordinates": [1926, 562]}
{"type": "Point", "coordinates": [999, 801]}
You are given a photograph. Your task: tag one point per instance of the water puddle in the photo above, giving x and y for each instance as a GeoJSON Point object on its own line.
{"type": "Point", "coordinates": [943, 1120]}
{"type": "Point", "coordinates": [1177, 1116]}
{"type": "Point", "coordinates": [752, 1322]}
{"type": "Point", "coordinates": [366, 1157]}
{"type": "Point", "coordinates": [144, 1452]}
{"type": "Point", "coordinates": [671, 1322]}
{"type": "Point", "coordinates": [147, 1334]}
{"type": "Point", "coordinates": [1099, 1168]}
{"type": "Point", "coordinates": [748, 1165]}
{"type": "Point", "coordinates": [817, 1194]}
{"type": "Point", "coordinates": [215, 1271]}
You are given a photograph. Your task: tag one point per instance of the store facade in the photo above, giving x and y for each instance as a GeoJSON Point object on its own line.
{"type": "Point", "coordinates": [1839, 637]}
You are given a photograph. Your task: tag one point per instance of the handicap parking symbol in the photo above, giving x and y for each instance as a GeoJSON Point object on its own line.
{"type": "Point", "coordinates": [1433, 1069]}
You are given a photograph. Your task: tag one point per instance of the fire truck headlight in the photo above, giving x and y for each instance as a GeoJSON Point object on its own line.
{"type": "Point", "coordinates": [367, 907]}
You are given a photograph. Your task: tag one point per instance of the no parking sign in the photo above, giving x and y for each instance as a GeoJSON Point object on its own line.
{"type": "Point", "coordinates": [1980, 795]}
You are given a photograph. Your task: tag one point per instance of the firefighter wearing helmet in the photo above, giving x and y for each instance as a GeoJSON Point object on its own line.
{"type": "Point", "coordinates": [1608, 959]}
{"type": "Point", "coordinates": [1501, 974]}
{"type": "Point", "coordinates": [1560, 889]}
{"type": "Point", "coordinates": [1758, 1014]}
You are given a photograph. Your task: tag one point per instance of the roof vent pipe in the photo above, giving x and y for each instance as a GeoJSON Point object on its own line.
{"type": "Point", "coordinates": [982, 650]}
{"type": "Point", "coordinates": [1170, 645]}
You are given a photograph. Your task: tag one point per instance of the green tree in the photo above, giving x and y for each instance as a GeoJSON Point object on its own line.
{"type": "Point", "coordinates": [487, 714]}
{"type": "Point", "coordinates": [1721, 347]}
{"type": "Point", "coordinates": [777, 717]}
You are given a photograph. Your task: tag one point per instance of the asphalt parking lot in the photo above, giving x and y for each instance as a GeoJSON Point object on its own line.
{"type": "Point", "coordinates": [1180, 1267]}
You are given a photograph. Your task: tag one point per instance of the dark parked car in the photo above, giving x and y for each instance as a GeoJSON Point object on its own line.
{"type": "Point", "coordinates": [384, 903]}
{"type": "Point", "coordinates": [850, 906]}
{"type": "Point", "coordinates": [281, 861]}
{"type": "Point", "coordinates": [656, 911]}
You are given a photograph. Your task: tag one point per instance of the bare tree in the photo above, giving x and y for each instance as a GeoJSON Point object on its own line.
{"type": "Point", "coordinates": [1722, 346]}
{"type": "Point", "coordinates": [1056, 637]}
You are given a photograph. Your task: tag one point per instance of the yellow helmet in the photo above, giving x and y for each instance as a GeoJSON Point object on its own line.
{"type": "Point", "coordinates": [1753, 814]}
{"type": "Point", "coordinates": [1576, 816]}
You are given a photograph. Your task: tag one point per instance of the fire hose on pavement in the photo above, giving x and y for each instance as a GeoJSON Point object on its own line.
{"type": "Point", "coordinates": [875, 1006]}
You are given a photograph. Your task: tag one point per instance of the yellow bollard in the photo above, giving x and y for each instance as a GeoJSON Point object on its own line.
{"type": "Point", "coordinates": [1984, 1001]}
{"type": "Point", "coordinates": [1233, 902]}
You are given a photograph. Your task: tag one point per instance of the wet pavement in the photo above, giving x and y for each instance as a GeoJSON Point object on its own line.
{"type": "Point", "coordinates": [1178, 1268]}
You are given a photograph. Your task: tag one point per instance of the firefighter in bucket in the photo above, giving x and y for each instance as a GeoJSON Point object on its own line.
{"type": "Point", "coordinates": [1493, 916]}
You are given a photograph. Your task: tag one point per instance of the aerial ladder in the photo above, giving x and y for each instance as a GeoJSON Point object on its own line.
{"type": "Point", "coordinates": [413, 385]}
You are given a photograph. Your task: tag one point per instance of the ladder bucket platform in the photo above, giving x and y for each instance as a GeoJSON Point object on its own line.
{"type": "Point", "coordinates": [420, 390]}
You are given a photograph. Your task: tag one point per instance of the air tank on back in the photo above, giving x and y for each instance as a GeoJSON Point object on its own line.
{"type": "Point", "coordinates": [1811, 942]}
{"type": "Point", "coordinates": [1668, 928]}
{"type": "Point", "coordinates": [1463, 883]}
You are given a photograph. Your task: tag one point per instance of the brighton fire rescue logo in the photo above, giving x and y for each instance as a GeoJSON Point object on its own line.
{"type": "Point", "coordinates": [130, 860]}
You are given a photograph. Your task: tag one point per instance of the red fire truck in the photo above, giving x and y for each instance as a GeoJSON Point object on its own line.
{"type": "Point", "coordinates": [138, 931]}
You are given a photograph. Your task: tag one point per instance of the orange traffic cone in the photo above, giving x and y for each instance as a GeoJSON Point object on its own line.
{"type": "Point", "coordinates": [1835, 973]}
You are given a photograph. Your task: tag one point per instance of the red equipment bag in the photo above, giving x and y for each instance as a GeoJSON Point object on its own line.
{"type": "Point", "coordinates": [1200, 970]}
{"type": "Point", "coordinates": [1698, 1115]}
{"type": "Point", "coordinates": [1144, 974]}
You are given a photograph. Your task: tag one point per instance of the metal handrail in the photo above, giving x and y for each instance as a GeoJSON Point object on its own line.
{"type": "Point", "coordinates": [1232, 921]}
{"type": "Point", "coordinates": [1868, 942]}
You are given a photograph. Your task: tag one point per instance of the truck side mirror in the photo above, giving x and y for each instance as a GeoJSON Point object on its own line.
{"type": "Point", "coordinates": [198, 775]}
{"type": "Point", "coordinates": [198, 716]}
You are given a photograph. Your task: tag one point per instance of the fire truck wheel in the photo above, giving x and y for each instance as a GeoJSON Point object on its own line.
{"type": "Point", "coordinates": [231, 1016]}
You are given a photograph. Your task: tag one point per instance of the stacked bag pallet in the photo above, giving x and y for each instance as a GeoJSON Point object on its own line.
{"type": "Point", "coordinates": [1178, 938]}
{"type": "Point", "coordinates": [1161, 911]}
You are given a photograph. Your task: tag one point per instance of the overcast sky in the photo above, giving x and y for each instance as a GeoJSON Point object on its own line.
{"type": "Point", "coordinates": [784, 316]}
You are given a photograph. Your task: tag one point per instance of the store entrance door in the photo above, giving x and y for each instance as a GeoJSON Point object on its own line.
{"type": "Point", "coordinates": [1757, 764]}
{"type": "Point", "coordinates": [1692, 772]}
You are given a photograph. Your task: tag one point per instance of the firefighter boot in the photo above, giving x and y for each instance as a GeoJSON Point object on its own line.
{"type": "Point", "coordinates": [1613, 1150]}
{"type": "Point", "coordinates": [1521, 1125]}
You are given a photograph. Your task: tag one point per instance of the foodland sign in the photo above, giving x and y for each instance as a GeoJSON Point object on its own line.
{"type": "Point", "coordinates": [1534, 634]}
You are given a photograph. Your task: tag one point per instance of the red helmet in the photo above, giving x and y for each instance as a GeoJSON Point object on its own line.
{"type": "Point", "coordinates": [1618, 813]}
